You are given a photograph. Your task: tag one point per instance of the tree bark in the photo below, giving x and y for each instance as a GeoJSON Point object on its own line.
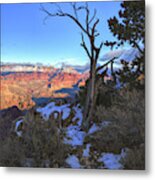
{"type": "Point", "coordinates": [90, 98]}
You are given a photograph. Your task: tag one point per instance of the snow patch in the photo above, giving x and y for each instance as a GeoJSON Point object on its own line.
{"type": "Point", "coordinates": [112, 161]}
{"type": "Point", "coordinates": [78, 114]}
{"type": "Point", "coordinates": [19, 133]}
{"type": "Point", "coordinates": [51, 107]}
{"type": "Point", "coordinates": [73, 161]}
{"type": "Point", "coordinates": [95, 127]}
{"type": "Point", "coordinates": [75, 137]}
{"type": "Point", "coordinates": [86, 151]}
{"type": "Point", "coordinates": [105, 123]}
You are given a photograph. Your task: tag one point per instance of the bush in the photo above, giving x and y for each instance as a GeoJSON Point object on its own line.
{"type": "Point", "coordinates": [128, 113]}
{"type": "Point", "coordinates": [126, 128]}
{"type": "Point", "coordinates": [11, 152]}
{"type": "Point", "coordinates": [105, 93]}
{"type": "Point", "coordinates": [41, 144]}
{"type": "Point", "coordinates": [45, 139]}
{"type": "Point", "coordinates": [108, 139]}
{"type": "Point", "coordinates": [135, 158]}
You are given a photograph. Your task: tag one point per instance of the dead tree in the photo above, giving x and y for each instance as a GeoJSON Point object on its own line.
{"type": "Point", "coordinates": [89, 31]}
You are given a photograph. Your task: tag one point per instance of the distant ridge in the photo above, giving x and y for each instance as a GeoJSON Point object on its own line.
{"type": "Point", "coordinates": [125, 54]}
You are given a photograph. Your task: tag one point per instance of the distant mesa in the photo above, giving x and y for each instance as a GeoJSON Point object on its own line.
{"type": "Point", "coordinates": [24, 68]}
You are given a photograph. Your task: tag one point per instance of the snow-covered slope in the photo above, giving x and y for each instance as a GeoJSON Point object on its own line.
{"type": "Point", "coordinates": [75, 136]}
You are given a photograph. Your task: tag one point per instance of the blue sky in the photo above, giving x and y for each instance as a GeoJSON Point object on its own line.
{"type": "Point", "coordinates": [26, 38]}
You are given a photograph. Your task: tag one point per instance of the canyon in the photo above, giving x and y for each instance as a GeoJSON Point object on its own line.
{"type": "Point", "coordinates": [20, 84]}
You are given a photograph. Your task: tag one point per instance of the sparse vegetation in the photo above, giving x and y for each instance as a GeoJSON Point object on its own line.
{"type": "Point", "coordinates": [135, 158]}
{"type": "Point", "coordinates": [126, 128]}
{"type": "Point", "coordinates": [41, 144]}
{"type": "Point", "coordinates": [105, 117]}
{"type": "Point", "coordinates": [11, 152]}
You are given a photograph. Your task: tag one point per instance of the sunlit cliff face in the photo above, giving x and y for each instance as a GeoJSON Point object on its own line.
{"type": "Point", "coordinates": [18, 88]}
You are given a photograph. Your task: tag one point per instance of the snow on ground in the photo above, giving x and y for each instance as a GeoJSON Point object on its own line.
{"type": "Point", "coordinates": [73, 161]}
{"type": "Point", "coordinates": [78, 114]}
{"type": "Point", "coordinates": [95, 127]}
{"type": "Point", "coordinates": [52, 107]}
{"type": "Point", "coordinates": [112, 161]}
{"type": "Point", "coordinates": [86, 151]}
{"type": "Point", "coordinates": [75, 137]}
{"type": "Point", "coordinates": [18, 132]}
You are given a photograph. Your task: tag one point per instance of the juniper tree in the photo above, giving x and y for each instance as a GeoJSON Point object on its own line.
{"type": "Point", "coordinates": [130, 28]}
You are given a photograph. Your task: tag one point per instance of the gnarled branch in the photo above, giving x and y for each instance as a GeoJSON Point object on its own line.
{"type": "Point", "coordinates": [104, 65]}
{"type": "Point", "coordinates": [83, 44]}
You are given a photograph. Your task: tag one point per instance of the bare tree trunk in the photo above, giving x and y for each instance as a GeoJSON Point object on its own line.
{"type": "Point", "coordinates": [90, 99]}
{"type": "Point", "coordinates": [89, 30]}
